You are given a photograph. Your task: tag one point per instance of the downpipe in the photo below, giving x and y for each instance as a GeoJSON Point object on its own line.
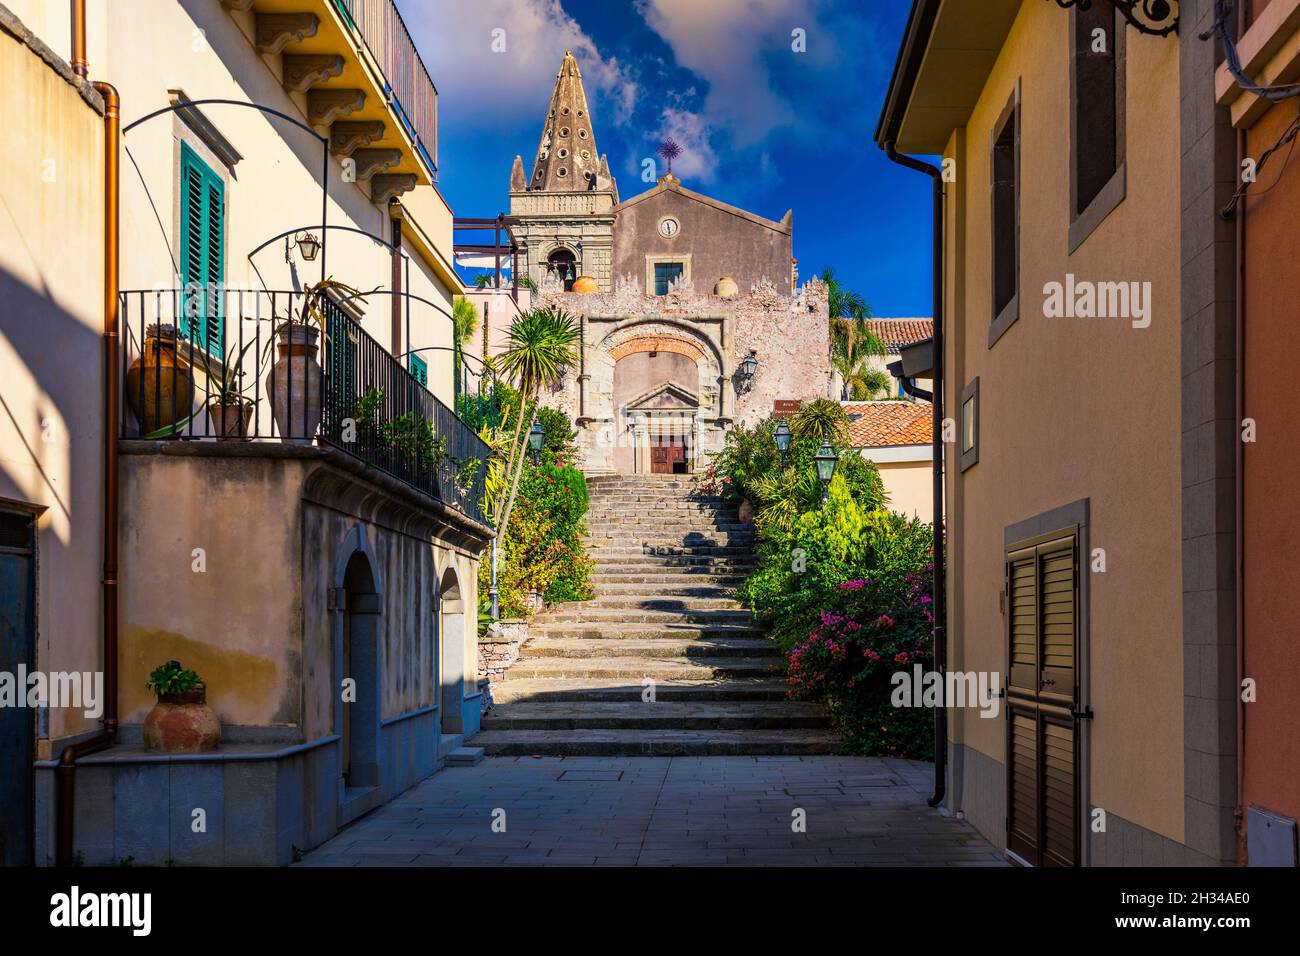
{"type": "Point", "coordinates": [937, 454]}
{"type": "Point", "coordinates": [66, 772]}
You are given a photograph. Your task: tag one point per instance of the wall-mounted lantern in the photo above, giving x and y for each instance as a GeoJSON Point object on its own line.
{"type": "Point", "coordinates": [746, 371]}
{"type": "Point", "coordinates": [308, 247]}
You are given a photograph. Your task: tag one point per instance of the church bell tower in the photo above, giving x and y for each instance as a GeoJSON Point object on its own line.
{"type": "Point", "coordinates": [565, 209]}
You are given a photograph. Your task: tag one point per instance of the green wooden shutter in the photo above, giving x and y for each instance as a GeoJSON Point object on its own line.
{"type": "Point", "coordinates": [419, 370]}
{"type": "Point", "coordinates": [202, 266]}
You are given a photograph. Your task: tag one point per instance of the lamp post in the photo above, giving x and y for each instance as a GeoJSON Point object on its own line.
{"type": "Point", "coordinates": [536, 437]}
{"type": "Point", "coordinates": [826, 461]}
{"type": "Point", "coordinates": [746, 371]}
{"type": "Point", "coordinates": [782, 437]}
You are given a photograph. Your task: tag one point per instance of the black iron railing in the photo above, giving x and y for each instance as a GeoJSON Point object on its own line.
{"type": "Point", "coordinates": [238, 366]}
{"type": "Point", "coordinates": [409, 88]}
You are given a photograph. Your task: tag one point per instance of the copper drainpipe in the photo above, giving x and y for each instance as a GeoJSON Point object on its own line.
{"type": "Point", "coordinates": [79, 64]}
{"type": "Point", "coordinates": [395, 230]}
{"type": "Point", "coordinates": [1239, 535]}
{"type": "Point", "coordinates": [67, 769]}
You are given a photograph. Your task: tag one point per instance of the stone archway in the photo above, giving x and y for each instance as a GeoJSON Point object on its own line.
{"type": "Point", "coordinates": [656, 388]}
{"type": "Point", "coordinates": [357, 664]}
{"type": "Point", "coordinates": [452, 633]}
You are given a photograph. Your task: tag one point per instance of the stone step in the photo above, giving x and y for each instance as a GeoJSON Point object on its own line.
{"type": "Point", "coordinates": [665, 577]}
{"type": "Point", "coordinates": [596, 689]}
{"type": "Point", "coordinates": [612, 552]}
{"type": "Point", "coordinates": [670, 565]}
{"type": "Point", "coordinates": [656, 631]}
{"type": "Point", "coordinates": [659, 715]}
{"type": "Point", "coordinates": [640, 669]}
{"type": "Point", "coordinates": [576, 648]}
{"type": "Point", "coordinates": [635, 586]}
{"type": "Point", "coordinates": [567, 614]}
{"type": "Point", "coordinates": [640, 597]}
{"type": "Point", "coordinates": [660, 743]}
{"type": "Point", "coordinates": [465, 757]}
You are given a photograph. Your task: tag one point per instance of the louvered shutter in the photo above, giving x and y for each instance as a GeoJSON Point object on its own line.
{"type": "Point", "coordinates": [202, 253]}
{"type": "Point", "coordinates": [1042, 752]}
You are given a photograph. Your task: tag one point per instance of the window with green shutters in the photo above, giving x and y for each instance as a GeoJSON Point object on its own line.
{"type": "Point", "coordinates": [202, 252]}
{"type": "Point", "coordinates": [419, 370]}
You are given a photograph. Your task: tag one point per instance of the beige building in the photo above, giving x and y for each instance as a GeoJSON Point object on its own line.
{"type": "Point", "coordinates": [896, 436]}
{"type": "Point", "coordinates": [1083, 368]}
{"type": "Point", "coordinates": [315, 525]}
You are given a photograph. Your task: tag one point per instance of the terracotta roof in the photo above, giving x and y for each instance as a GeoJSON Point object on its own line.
{"type": "Point", "coordinates": [878, 424]}
{"type": "Point", "coordinates": [899, 332]}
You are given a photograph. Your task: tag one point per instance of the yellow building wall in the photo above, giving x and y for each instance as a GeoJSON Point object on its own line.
{"type": "Point", "coordinates": [51, 351]}
{"type": "Point", "coordinates": [1077, 408]}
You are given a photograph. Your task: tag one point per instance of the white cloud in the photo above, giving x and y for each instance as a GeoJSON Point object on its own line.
{"type": "Point", "coordinates": [727, 43]}
{"type": "Point", "coordinates": [478, 86]}
{"type": "Point", "coordinates": [692, 133]}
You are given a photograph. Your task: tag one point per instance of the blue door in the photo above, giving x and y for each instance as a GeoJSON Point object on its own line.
{"type": "Point", "coordinates": [17, 650]}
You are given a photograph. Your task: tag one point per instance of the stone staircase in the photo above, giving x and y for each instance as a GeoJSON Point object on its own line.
{"type": "Point", "coordinates": [667, 561]}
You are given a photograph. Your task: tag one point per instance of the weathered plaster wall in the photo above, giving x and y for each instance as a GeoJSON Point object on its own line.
{"type": "Point", "coordinates": [51, 349]}
{"type": "Point", "coordinates": [716, 242]}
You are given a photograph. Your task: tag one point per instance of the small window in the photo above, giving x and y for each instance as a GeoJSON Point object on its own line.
{"type": "Point", "coordinates": [419, 370]}
{"type": "Point", "coordinates": [970, 425]}
{"type": "Point", "coordinates": [666, 273]}
{"type": "Point", "coordinates": [564, 264]}
{"type": "Point", "coordinates": [1004, 163]}
{"type": "Point", "coordinates": [1097, 185]}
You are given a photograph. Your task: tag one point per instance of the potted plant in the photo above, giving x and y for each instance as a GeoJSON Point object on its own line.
{"type": "Point", "coordinates": [160, 383]}
{"type": "Point", "coordinates": [181, 721]}
{"type": "Point", "coordinates": [231, 410]}
{"type": "Point", "coordinates": [295, 382]}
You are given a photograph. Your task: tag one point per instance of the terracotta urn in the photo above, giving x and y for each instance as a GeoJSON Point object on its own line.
{"type": "Point", "coordinates": [294, 382]}
{"type": "Point", "coordinates": [160, 383]}
{"type": "Point", "coordinates": [230, 422]}
{"type": "Point", "coordinates": [585, 285]}
{"type": "Point", "coordinates": [726, 288]}
{"type": "Point", "coordinates": [182, 723]}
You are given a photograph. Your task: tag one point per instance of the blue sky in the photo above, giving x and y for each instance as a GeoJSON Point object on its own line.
{"type": "Point", "coordinates": [763, 127]}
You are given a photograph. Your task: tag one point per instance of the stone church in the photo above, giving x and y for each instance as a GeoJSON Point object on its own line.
{"type": "Point", "coordinates": [691, 314]}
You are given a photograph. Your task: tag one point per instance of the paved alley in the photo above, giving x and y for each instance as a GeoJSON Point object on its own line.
{"type": "Point", "coordinates": [664, 811]}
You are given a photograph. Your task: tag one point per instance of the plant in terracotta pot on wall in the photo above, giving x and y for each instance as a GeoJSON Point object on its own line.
{"type": "Point", "coordinates": [181, 721]}
{"type": "Point", "coordinates": [230, 409]}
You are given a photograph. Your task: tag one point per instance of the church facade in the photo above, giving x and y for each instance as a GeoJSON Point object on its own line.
{"type": "Point", "coordinates": [691, 314]}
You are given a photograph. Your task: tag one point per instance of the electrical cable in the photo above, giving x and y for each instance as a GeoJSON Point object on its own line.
{"type": "Point", "coordinates": [1220, 26]}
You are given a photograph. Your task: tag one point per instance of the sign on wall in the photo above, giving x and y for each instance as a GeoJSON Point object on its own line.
{"type": "Point", "coordinates": [784, 407]}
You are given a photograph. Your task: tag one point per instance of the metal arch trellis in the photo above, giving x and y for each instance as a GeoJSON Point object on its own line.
{"type": "Point", "coordinates": [1157, 18]}
{"type": "Point", "coordinates": [324, 141]}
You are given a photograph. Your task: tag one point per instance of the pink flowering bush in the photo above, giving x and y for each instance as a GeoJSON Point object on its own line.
{"type": "Point", "coordinates": [848, 659]}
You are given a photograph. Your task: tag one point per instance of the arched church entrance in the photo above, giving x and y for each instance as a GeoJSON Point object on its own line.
{"type": "Point", "coordinates": [663, 397]}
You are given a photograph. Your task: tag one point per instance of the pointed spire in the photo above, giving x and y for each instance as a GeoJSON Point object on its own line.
{"type": "Point", "coordinates": [566, 156]}
{"type": "Point", "coordinates": [517, 181]}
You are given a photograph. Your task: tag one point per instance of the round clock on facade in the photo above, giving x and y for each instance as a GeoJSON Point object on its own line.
{"type": "Point", "coordinates": [669, 227]}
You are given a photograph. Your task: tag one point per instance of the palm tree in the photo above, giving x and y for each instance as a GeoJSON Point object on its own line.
{"type": "Point", "coordinates": [464, 320]}
{"type": "Point", "coordinates": [822, 419]}
{"type": "Point", "coordinates": [852, 341]}
{"type": "Point", "coordinates": [539, 349]}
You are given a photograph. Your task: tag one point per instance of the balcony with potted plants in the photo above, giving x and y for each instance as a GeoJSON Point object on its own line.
{"type": "Point", "coordinates": [258, 373]}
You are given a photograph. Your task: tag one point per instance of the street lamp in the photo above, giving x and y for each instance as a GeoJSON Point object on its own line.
{"type": "Point", "coordinates": [826, 461]}
{"type": "Point", "coordinates": [782, 436]}
{"type": "Point", "coordinates": [746, 371]}
{"type": "Point", "coordinates": [536, 436]}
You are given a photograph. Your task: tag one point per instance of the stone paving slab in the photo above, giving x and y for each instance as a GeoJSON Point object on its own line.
{"type": "Point", "coordinates": [664, 811]}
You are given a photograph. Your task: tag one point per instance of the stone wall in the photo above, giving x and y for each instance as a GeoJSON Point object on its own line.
{"type": "Point", "coordinates": [787, 333]}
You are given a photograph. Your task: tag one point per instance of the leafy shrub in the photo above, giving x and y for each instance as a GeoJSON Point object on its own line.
{"type": "Point", "coordinates": [171, 678]}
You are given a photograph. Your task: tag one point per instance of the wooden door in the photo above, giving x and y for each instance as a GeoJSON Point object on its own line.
{"type": "Point", "coordinates": [659, 460]}
{"type": "Point", "coordinates": [17, 654]}
{"type": "Point", "coordinates": [1042, 589]}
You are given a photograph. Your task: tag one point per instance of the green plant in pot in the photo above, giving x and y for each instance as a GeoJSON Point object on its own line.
{"type": "Point", "coordinates": [181, 721]}
{"type": "Point", "coordinates": [230, 409]}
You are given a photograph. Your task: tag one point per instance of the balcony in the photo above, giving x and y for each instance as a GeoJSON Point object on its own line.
{"type": "Point", "coordinates": [237, 366]}
{"type": "Point", "coordinates": [357, 68]}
